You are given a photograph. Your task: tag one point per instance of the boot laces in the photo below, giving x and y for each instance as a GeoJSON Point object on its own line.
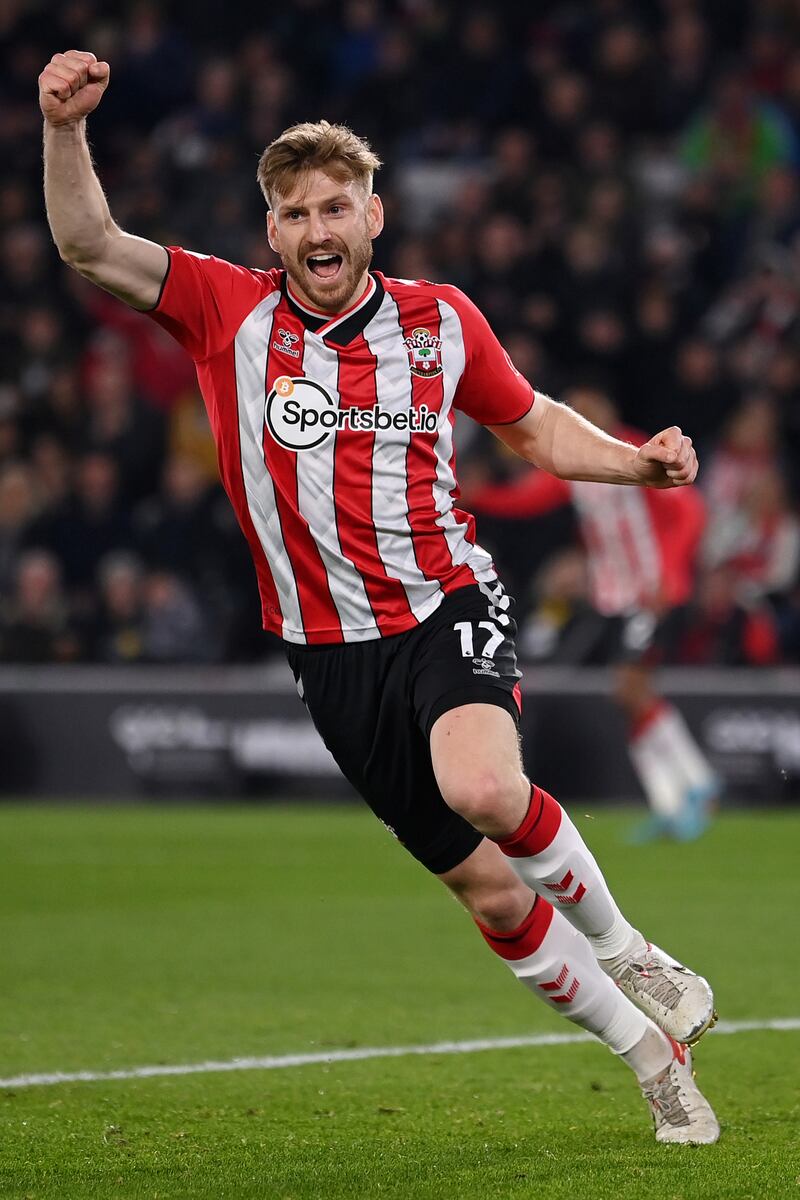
{"type": "Point", "coordinates": [664, 1098]}
{"type": "Point", "coordinates": [651, 978]}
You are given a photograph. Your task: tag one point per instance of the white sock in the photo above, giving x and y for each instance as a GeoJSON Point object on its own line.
{"type": "Point", "coordinates": [677, 744]}
{"type": "Point", "coordinates": [668, 760]}
{"type": "Point", "coordinates": [551, 857]}
{"type": "Point", "coordinates": [651, 1054]}
{"type": "Point", "coordinates": [658, 772]}
{"type": "Point", "coordinates": [557, 964]}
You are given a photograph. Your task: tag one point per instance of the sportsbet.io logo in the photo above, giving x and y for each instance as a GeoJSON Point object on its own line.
{"type": "Point", "coordinates": [301, 415]}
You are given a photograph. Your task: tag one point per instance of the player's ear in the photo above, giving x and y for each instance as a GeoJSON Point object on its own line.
{"type": "Point", "coordinates": [374, 215]}
{"type": "Point", "coordinates": [272, 232]}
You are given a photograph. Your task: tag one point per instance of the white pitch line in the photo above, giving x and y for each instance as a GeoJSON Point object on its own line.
{"type": "Point", "coordinates": [274, 1062]}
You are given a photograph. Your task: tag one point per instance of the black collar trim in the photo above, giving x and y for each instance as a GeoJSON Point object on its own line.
{"type": "Point", "coordinates": [342, 333]}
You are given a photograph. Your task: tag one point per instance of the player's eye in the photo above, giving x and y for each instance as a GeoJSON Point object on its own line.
{"type": "Point", "coordinates": [335, 209]}
{"type": "Point", "coordinates": [294, 215]}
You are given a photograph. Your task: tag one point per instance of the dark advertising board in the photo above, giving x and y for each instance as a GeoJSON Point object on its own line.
{"type": "Point", "coordinates": [232, 732]}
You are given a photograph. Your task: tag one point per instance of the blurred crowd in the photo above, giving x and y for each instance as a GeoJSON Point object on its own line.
{"type": "Point", "coordinates": [614, 183]}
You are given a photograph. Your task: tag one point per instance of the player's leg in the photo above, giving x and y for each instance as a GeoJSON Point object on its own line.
{"type": "Point", "coordinates": [358, 697]}
{"type": "Point", "coordinates": [476, 760]}
{"type": "Point", "coordinates": [556, 964]}
{"type": "Point", "coordinates": [660, 779]}
{"type": "Point", "coordinates": [678, 781]}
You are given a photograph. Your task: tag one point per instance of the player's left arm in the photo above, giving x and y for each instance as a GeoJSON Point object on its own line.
{"type": "Point", "coordinates": [556, 438]}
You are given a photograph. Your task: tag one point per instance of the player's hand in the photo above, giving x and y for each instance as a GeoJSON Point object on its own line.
{"type": "Point", "coordinates": [71, 86]}
{"type": "Point", "coordinates": [667, 460]}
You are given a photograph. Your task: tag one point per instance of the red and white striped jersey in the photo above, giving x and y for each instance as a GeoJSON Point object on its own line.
{"type": "Point", "coordinates": [641, 543]}
{"type": "Point", "coordinates": [335, 439]}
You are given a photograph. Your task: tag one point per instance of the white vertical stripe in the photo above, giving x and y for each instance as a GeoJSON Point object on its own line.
{"type": "Point", "coordinates": [454, 361]}
{"type": "Point", "coordinates": [251, 348]}
{"type": "Point", "coordinates": [643, 538]}
{"type": "Point", "coordinates": [315, 501]}
{"type": "Point", "coordinates": [624, 565]}
{"type": "Point", "coordinates": [389, 469]}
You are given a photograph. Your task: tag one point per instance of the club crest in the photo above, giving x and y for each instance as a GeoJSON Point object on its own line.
{"type": "Point", "coordinates": [424, 353]}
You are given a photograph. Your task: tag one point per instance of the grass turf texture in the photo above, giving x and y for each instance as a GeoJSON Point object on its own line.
{"type": "Point", "coordinates": [135, 936]}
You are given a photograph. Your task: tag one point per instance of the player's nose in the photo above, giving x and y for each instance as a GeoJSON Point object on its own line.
{"type": "Point", "coordinates": [318, 231]}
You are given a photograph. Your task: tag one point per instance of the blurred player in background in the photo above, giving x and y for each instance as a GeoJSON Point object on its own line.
{"type": "Point", "coordinates": [332, 394]}
{"type": "Point", "coordinates": [641, 547]}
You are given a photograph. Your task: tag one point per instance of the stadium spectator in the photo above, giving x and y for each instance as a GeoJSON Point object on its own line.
{"type": "Point", "coordinates": [121, 426]}
{"type": "Point", "coordinates": [697, 386]}
{"type": "Point", "coordinates": [91, 522]}
{"type": "Point", "coordinates": [736, 141]}
{"type": "Point", "coordinates": [17, 513]}
{"type": "Point", "coordinates": [35, 623]}
{"type": "Point", "coordinates": [720, 627]}
{"type": "Point", "coordinates": [118, 627]}
{"type": "Point", "coordinates": [560, 618]}
{"type": "Point", "coordinates": [173, 627]}
{"type": "Point", "coordinates": [746, 456]}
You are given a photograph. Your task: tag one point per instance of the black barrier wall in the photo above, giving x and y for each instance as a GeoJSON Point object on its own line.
{"type": "Point", "coordinates": [84, 732]}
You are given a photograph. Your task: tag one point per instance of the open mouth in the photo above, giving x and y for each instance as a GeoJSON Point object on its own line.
{"type": "Point", "coordinates": [324, 266]}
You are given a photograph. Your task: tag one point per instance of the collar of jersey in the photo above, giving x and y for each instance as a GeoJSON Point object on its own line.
{"type": "Point", "coordinates": [342, 328]}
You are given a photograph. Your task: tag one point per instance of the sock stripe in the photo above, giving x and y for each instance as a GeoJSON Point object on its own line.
{"type": "Point", "coordinates": [526, 939]}
{"type": "Point", "coordinates": [539, 827]}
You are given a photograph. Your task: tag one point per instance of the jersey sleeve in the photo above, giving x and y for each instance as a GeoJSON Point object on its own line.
{"type": "Point", "coordinates": [204, 300]}
{"type": "Point", "coordinates": [491, 389]}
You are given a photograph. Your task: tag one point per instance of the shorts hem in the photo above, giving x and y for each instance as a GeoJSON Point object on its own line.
{"type": "Point", "coordinates": [443, 858]}
{"type": "Point", "coordinates": [472, 694]}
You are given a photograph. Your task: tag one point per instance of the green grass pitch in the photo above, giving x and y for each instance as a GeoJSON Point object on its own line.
{"type": "Point", "coordinates": [146, 935]}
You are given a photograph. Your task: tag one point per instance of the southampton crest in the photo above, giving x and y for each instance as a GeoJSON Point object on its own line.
{"type": "Point", "coordinates": [424, 353]}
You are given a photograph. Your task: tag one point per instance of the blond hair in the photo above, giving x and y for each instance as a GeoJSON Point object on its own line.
{"type": "Point", "coordinates": [334, 149]}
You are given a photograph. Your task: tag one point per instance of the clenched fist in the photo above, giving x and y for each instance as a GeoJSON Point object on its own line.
{"type": "Point", "coordinates": [667, 460]}
{"type": "Point", "coordinates": [71, 85]}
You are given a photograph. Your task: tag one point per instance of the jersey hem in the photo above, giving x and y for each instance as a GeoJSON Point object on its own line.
{"type": "Point", "coordinates": [352, 637]}
{"type": "Point", "coordinates": [345, 637]}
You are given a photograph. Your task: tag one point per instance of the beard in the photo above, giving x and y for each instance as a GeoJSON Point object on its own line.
{"type": "Point", "coordinates": [331, 296]}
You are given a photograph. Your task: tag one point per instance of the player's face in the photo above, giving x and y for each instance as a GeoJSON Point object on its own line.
{"type": "Point", "coordinates": [323, 233]}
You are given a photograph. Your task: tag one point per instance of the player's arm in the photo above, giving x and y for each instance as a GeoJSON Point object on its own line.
{"type": "Point", "coordinates": [70, 87]}
{"type": "Point", "coordinates": [554, 437]}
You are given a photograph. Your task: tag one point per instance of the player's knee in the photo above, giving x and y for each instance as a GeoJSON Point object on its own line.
{"type": "Point", "coordinates": [504, 908]}
{"type": "Point", "coordinates": [482, 797]}
{"type": "Point", "coordinates": [501, 906]}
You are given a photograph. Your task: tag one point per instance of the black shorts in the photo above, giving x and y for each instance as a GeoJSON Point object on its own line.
{"type": "Point", "coordinates": [642, 637]}
{"type": "Point", "coordinates": [375, 703]}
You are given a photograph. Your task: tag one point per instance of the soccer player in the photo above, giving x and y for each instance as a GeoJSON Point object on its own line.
{"type": "Point", "coordinates": [332, 393]}
{"type": "Point", "coordinates": [641, 546]}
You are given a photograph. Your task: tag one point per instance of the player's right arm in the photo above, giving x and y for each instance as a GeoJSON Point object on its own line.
{"type": "Point", "coordinates": [88, 239]}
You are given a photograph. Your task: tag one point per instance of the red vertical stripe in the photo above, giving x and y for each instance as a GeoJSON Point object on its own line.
{"type": "Point", "coordinates": [353, 489]}
{"type": "Point", "coordinates": [214, 376]}
{"type": "Point", "coordinates": [320, 616]}
{"type": "Point", "coordinates": [418, 310]}
{"type": "Point", "coordinates": [464, 519]}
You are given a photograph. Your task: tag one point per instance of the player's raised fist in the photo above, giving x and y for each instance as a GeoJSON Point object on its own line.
{"type": "Point", "coordinates": [71, 85]}
{"type": "Point", "coordinates": [667, 460]}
